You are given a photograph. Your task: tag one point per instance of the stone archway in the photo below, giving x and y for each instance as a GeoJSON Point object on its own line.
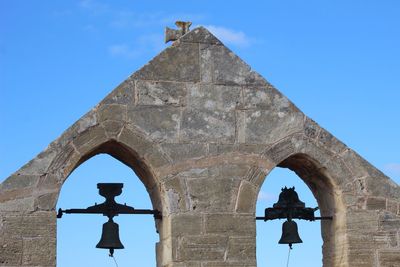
{"type": "Point", "coordinates": [202, 130]}
{"type": "Point", "coordinates": [313, 164]}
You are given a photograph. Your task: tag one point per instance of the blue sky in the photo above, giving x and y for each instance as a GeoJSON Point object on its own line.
{"type": "Point", "coordinates": [338, 61]}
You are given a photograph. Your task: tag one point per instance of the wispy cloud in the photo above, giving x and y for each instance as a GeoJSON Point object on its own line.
{"type": "Point", "coordinates": [393, 168]}
{"type": "Point", "coordinates": [93, 6]}
{"type": "Point", "coordinates": [264, 196]}
{"type": "Point", "coordinates": [122, 50]}
{"type": "Point", "coordinates": [127, 20]}
{"type": "Point", "coordinates": [123, 19]}
{"type": "Point", "coordinates": [230, 36]}
{"type": "Point", "coordinates": [147, 43]}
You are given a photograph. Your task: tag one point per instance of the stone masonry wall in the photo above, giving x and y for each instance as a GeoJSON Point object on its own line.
{"type": "Point", "coordinates": [202, 131]}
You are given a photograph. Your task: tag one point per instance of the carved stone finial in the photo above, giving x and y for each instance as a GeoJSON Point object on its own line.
{"type": "Point", "coordinates": [173, 35]}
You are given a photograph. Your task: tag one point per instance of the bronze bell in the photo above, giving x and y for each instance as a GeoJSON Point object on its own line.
{"type": "Point", "coordinates": [289, 198]}
{"type": "Point", "coordinates": [110, 237]}
{"type": "Point", "coordinates": [290, 235]}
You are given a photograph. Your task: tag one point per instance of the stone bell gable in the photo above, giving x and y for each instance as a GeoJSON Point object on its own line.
{"type": "Point", "coordinates": [202, 131]}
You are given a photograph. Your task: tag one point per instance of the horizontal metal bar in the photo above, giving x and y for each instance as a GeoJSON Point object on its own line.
{"type": "Point", "coordinates": [324, 218]}
{"type": "Point", "coordinates": [156, 213]}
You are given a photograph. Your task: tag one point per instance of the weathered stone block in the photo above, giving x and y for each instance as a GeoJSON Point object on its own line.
{"type": "Point", "coordinates": [159, 93]}
{"type": "Point", "coordinates": [330, 142]}
{"type": "Point", "coordinates": [185, 264]}
{"type": "Point", "coordinates": [281, 150]}
{"type": "Point", "coordinates": [217, 149]}
{"type": "Point", "coordinates": [207, 248]}
{"type": "Point", "coordinates": [194, 173]}
{"type": "Point", "coordinates": [39, 251]}
{"type": "Point", "coordinates": [374, 203]}
{"type": "Point", "coordinates": [259, 97]}
{"type": "Point", "coordinates": [111, 112]}
{"type": "Point", "coordinates": [311, 128]}
{"type": "Point", "coordinates": [392, 206]}
{"type": "Point", "coordinates": [242, 249]}
{"type": "Point", "coordinates": [47, 201]}
{"type": "Point", "coordinates": [176, 195]}
{"type": "Point", "coordinates": [372, 240]}
{"type": "Point", "coordinates": [156, 158]}
{"type": "Point", "coordinates": [136, 142]}
{"type": "Point", "coordinates": [210, 194]}
{"type": "Point", "coordinates": [176, 63]}
{"type": "Point", "coordinates": [203, 125]}
{"type": "Point", "coordinates": [389, 222]}
{"type": "Point", "coordinates": [267, 126]}
{"type": "Point", "coordinates": [389, 258]}
{"type": "Point", "coordinates": [214, 97]}
{"type": "Point", "coordinates": [200, 35]}
{"type": "Point", "coordinates": [366, 221]}
{"type": "Point", "coordinates": [233, 171]}
{"type": "Point", "coordinates": [86, 122]}
{"type": "Point", "coordinates": [10, 224]}
{"type": "Point", "coordinates": [64, 163]}
{"type": "Point", "coordinates": [339, 172]}
{"type": "Point", "coordinates": [182, 152]}
{"type": "Point", "coordinates": [112, 128]}
{"type": "Point", "coordinates": [381, 186]}
{"type": "Point", "coordinates": [10, 251]}
{"type": "Point", "coordinates": [123, 94]}
{"type": "Point", "coordinates": [26, 204]}
{"type": "Point", "coordinates": [227, 264]}
{"type": "Point", "coordinates": [19, 181]}
{"type": "Point", "coordinates": [246, 198]}
{"type": "Point", "coordinates": [230, 69]}
{"type": "Point", "coordinates": [40, 164]}
{"type": "Point", "coordinates": [206, 63]}
{"type": "Point", "coordinates": [257, 175]}
{"type": "Point", "coordinates": [251, 149]}
{"type": "Point", "coordinates": [89, 140]}
{"type": "Point", "coordinates": [230, 224]}
{"type": "Point", "coordinates": [361, 257]}
{"type": "Point", "coordinates": [386, 238]}
{"type": "Point", "coordinates": [240, 137]}
{"type": "Point", "coordinates": [39, 224]}
{"type": "Point", "coordinates": [186, 225]}
{"type": "Point", "coordinates": [159, 123]}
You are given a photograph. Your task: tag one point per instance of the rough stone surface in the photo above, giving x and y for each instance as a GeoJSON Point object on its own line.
{"type": "Point", "coordinates": [162, 123]}
{"type": "Point", "coordinates": [154, 93]}
{"type": "Point", "coordinates": [202, 131]}
{"type": "Point", "coordinates": [202, 125]}
{"type": "Point", "coordinates": [389, 258]}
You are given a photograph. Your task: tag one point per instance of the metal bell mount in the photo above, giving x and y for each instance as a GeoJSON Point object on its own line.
{"type": "Point", "coordinates": [290, 207]}
{"type": "Point", "coordinates": [110, 208]}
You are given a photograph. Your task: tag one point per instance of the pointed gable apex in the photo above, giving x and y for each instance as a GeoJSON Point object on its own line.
{"type": "Point", "coordinates": [199, 56]}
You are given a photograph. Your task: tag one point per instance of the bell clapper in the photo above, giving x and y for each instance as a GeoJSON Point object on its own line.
{"type": "Point", "coordinates": [111, 252]}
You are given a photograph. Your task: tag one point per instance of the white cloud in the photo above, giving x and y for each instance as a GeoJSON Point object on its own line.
{"type": "Point", "coordinates": [94, 6]}
{"type": "Point", "coordinates": [230, 36]}
{"type": "Point", "coordinates": [264, 196]}
{"type": "Point", "coordinates": [123, 19]}
{"type": "Point", "coordinates": [147, 43]}
{"type": "Point", "coordinates": [122, 50]}
{"type": "Point", "coordinates": [393, 168]}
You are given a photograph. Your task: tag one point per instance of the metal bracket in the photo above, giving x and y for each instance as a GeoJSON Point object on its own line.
{"type": "Point", "coordinates": [110, 207]}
